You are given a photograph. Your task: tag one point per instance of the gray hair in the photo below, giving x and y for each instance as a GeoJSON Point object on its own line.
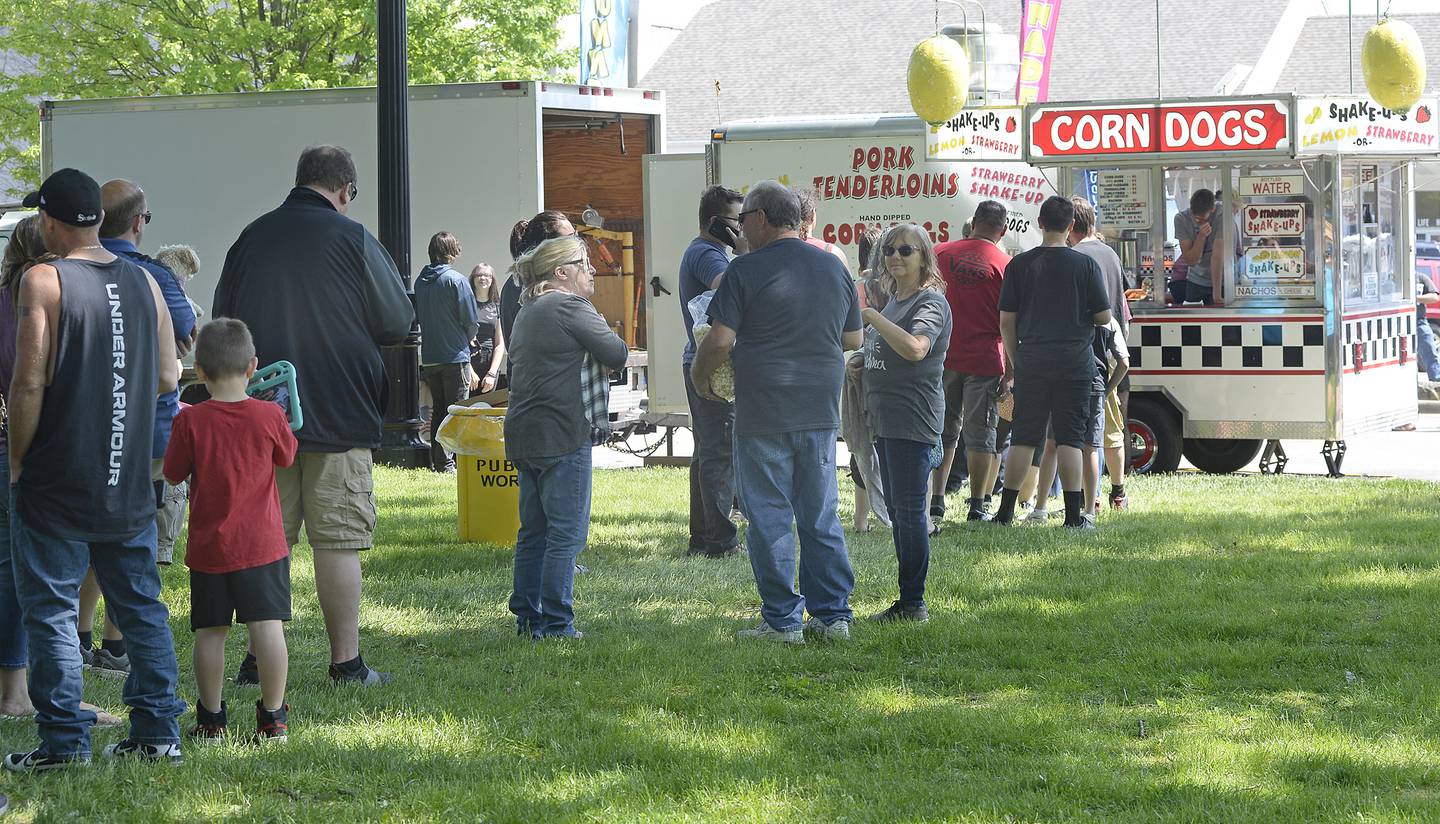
{"type": "Point", "coordinates": [780, 205]}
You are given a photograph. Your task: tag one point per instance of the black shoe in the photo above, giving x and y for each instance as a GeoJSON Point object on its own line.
{"type": "Point", "coordinates": [937, 506]}
{"type": "Point", "coordinates": [901, 612]}
{"type": "Point", "coordinates": [272, 727]}
{"type": "Point", "coordinates": [726, 553]}
{"type": "Point", "coordinates": [249, 672]}
{"type": "Point", "coordinates": [159, 753]}
{"type": "Point", "coordinates": [364, 677]}
{"type": "Point", "coordinates": [40, 761]}
{"type": "Point", "coordinates": [209, 726]}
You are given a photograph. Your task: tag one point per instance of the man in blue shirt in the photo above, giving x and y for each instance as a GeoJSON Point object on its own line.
{"type": "Point", "coordinates": [712, 464]}
{"type": "Point", "coordinates": [126, 214]}
{"type": "Point", "coordinates": [790, 311]}
{"type": "Point", "coordinates": [445, 304]}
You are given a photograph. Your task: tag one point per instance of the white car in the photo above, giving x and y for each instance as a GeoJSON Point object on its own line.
{"type": "Point", "coordinates": [7, 223]}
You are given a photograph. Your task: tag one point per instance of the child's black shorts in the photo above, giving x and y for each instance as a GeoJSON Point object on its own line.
{"type": "Point", "coordinates": [257, 594]}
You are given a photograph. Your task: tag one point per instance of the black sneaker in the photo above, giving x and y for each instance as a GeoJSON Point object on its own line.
{"type": "Point", "coordinates": [726, 553]}
{"type": "Point", "coordinates": [209, 726]}
{"type": "Point", "coordinates": [249, 672]}
{"type": "Point", "coordinates": [39, 761]}
{"type": "Point", "coordinates": [272, 727]}
{"type": "Point", "coordinates": [364, 677]}
{"type": "Point", "coordinates": [901, 612]}
{"type": "Point", "coordinates": [937, 506]}
{"type": "Point", "coordinates": [978, 511]}
{"type": "Point", "coordinates": [159, 753]}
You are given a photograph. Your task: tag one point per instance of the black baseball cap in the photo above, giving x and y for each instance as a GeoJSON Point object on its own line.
{"type": "Point", "coordinates": [70, 196]}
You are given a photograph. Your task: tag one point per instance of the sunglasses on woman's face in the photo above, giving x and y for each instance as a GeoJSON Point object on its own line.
{"type": "Point", "coordinates": [905, 251]}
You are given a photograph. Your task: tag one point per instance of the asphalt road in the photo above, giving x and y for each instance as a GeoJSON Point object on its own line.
{"type": "Point", "coordinates": [1414, 455]}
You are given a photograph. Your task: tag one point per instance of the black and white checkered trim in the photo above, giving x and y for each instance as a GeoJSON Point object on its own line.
{"type": "Point", "coordinates": [1227, 346]}
{"type": "Point", "coordinates": [1379, 339]}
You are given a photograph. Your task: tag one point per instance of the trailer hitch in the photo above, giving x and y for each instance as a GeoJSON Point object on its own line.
{"type": "Point", "coordinates": [659, 287]}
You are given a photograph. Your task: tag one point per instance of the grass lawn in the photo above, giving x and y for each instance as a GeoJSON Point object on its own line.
{"type": "Point", "coordinates": [1232, 649]}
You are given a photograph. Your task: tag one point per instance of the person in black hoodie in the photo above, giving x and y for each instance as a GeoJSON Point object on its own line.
{"type": "Point", "coordinates": [318, 290]}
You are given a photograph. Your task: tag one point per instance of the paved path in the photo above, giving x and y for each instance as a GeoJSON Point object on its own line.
{"type": "Point", "coordinates": [1414, 455]}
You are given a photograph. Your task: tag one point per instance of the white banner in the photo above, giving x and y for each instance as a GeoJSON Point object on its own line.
{"type": "Point", "coordinates": [1358, 124]}
{"type": "Point", "coordinates": [976, 134]}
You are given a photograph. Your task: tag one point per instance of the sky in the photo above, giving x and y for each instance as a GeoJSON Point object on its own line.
{"type": "Point", "coordinates": [662, 21]}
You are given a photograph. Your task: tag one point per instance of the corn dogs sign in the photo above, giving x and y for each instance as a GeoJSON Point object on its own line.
{"type": "Point", "coordinates": [1081, 132]}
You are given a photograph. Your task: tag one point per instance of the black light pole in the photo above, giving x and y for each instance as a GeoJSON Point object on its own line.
{"type": "Point", "coordinates": [400, 444]}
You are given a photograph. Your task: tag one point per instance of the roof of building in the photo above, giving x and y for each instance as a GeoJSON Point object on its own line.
{"type": "Point", "coordinates": [1318, 62]}
{"type": "Point", "coordinates": [1104, 49]}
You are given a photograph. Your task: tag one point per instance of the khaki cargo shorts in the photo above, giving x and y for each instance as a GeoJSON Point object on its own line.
{"type": "Point", "coordinates": [332, 494]}
{"type": "Point", "coordinates": [1114, 426]}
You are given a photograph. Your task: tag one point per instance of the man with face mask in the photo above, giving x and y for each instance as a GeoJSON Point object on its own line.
{"type": "Point", "coordinates": [712, 466]}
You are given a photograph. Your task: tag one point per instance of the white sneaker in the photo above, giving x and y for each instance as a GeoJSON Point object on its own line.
{"type": "Point", "coordinates": [1037, 516]}
{"type": "Point", "coordinates": [765, 632]}
{"type": "Point", "coordinates": [837, 632]}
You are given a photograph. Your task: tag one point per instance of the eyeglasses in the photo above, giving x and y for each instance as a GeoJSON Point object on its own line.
{"type": "Point", "coordinates": [741, 217]}
{"type": "Point", "coordinates": [354, 190]}
{"type": "Point", "coordinates": [578, 262]}
{"type": "Point", "coordinates": [905, 251]}
{"type": "Point", "coordinates": [147, 218]}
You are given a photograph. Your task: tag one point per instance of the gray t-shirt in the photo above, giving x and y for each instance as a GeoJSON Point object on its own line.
{"type": "Point", "coordinates": [1186, 228]}
{"type": "Point", "coordinates": [546, 418]}
{"type": "Point", "coordinates": [789, 304]}
{"type": "Point", "coordinates": [1114, 274]}
{"type": "Point", "coordinates": [905, 398]}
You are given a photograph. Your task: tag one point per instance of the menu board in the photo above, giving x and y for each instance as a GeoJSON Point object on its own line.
{"type": "Point", "coordinates": [1123, 198]}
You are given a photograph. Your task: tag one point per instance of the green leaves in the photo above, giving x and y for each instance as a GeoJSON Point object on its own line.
{"type": "Point", "coordinates": [63, 49]}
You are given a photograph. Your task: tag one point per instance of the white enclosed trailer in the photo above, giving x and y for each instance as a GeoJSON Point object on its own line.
{"type": "Point", "coordinates": [482, 156]}
{"type": "Point", "coordinates": [868, 171]}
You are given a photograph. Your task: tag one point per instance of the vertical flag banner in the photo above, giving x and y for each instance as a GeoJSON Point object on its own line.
{"type": "Point", "coordinates": [1038, 20]}
{"type": "Point", "coordinates": [604, 42]}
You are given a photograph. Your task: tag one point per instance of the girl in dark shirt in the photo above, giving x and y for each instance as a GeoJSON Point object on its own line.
{"type": "Point", "coordinates": [487, 351]}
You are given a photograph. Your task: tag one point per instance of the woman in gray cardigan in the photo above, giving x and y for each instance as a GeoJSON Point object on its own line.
{"type": "Point", "coordinates": [558, 357]}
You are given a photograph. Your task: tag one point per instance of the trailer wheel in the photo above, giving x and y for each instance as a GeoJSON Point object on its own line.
{"type": "Point", "coordinates": [1221, 456]}
{"type": "Point", "coordinates": [1154, 436]}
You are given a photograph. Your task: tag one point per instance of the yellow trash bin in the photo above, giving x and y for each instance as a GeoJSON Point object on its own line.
{"type": "Point", "coordinates": [488, 485]}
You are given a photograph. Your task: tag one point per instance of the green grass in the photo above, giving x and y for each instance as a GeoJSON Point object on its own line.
{"type": "Point", "coordinates": [1273, 637]}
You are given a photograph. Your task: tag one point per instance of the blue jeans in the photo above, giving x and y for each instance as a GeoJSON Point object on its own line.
{"type": "Point", "coordinates": [554, 525]}
{"type": "Point", "coordinates": [905, 465]}
{"type": "Point", "coordinates": [1429, 354]}
{"type": "Point", "coordinates": [788, 479]}
{"type": "Point", "coordinates": [50, 571]}
{"type": "Point", "coordinates": [13, 651]}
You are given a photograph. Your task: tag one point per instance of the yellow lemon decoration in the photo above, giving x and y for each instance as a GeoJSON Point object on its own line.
{"type": "Point", "coordinates": [1393, 60]}
{"type": "Point", "coordinates": [939, 79]}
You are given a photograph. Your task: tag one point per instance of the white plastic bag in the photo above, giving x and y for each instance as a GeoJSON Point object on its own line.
{"type": "Point", "coordinates": [722, 380]}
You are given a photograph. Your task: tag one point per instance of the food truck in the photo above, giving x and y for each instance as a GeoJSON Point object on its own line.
{"type": "Point", "coordinates": [1311, 333]}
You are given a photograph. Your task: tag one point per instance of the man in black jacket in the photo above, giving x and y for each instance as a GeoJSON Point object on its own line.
{"type": "Point", "coordinates": [318, 290]}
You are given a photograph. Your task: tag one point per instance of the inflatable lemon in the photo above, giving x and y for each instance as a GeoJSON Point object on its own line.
{"type": "Point", "coordinates": [1393, 61]}
{"type": "Point", "coordinates": [939, 79]}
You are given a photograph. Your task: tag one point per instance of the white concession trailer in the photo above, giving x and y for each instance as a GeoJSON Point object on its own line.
{"type": "Point", "coordinates": [1311, 334]}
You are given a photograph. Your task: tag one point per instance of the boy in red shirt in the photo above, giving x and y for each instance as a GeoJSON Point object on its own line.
{"type": "Point", "coordinates": [238, 557]}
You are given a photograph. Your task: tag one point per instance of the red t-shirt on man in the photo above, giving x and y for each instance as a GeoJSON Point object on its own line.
{"type": "Point", "coordinates": [229, 450]}
{"type": "Point", "coordinates": [973, 268]}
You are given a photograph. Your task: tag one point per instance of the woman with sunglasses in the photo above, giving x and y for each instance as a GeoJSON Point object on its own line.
{"type": "Point", "coordinates": [904, 359]}
{"type": "Point", "coordinates": [549, 428]}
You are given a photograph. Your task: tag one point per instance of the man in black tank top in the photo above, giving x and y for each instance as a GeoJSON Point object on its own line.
{"type": "Point", "coordinates": [93, 350]}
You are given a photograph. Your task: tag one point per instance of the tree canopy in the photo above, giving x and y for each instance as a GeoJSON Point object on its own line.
{"type": "Point", "coordinates": [61, 49]}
